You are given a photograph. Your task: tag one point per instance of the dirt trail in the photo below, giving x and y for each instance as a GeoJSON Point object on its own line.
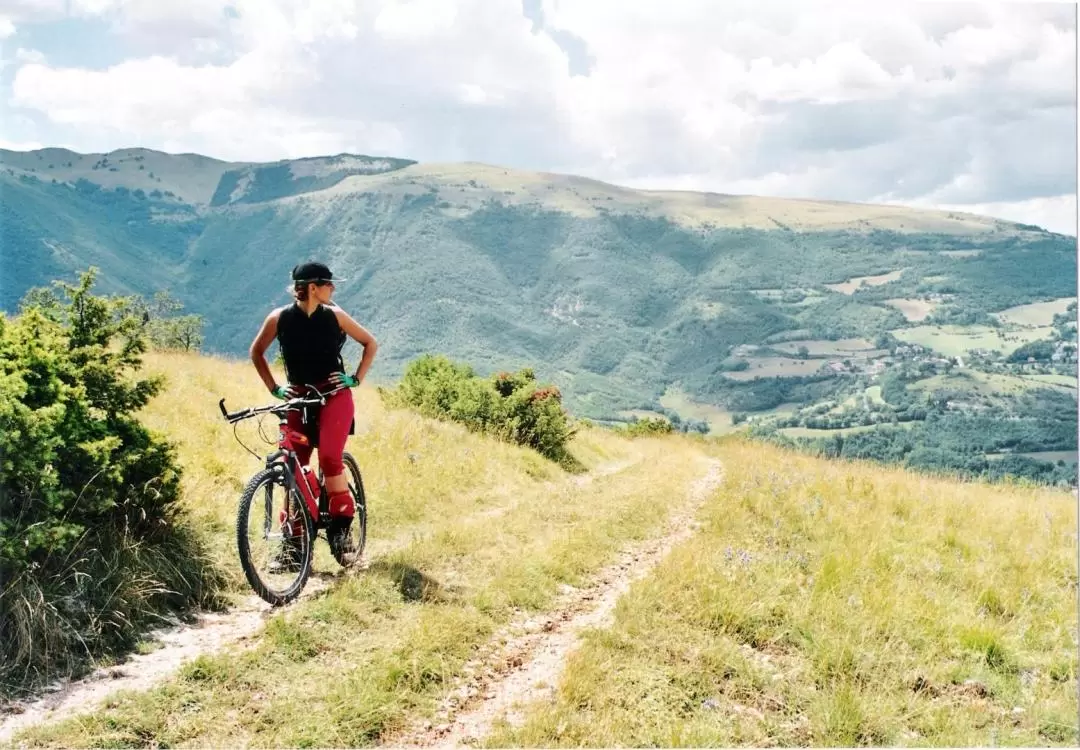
{"type": "Point", "coordinates": [527, 664]}
{"type": "Point", "coordinates": [210, 633]}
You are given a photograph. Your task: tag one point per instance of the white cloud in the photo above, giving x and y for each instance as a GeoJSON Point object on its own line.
{"type": "Point", "coordinates": [416, 21]}
{"type": "Point", "coordinates": [20, 145]}
{"type": "Point", "coordinates": [1056, 214]}
{"type": "Point", "coordinates": [7, 28]}
{"type": "Point", "coordinates": [24, 55]}
{"type": "Point", "coordinates": [962, 104]}
{"type": "Point", "coordinates": [32, 10]}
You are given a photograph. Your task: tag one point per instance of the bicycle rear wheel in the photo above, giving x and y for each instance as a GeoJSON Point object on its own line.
{"type": "Point", "coordinates": [274, 536]}
{"type": "Point", "coordinates": [352, 551]}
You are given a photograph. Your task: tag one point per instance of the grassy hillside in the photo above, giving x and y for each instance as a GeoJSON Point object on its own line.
{"type": "Point", "coordinates": [817, 603]}
{"type": "Point", "coordinates": [828, 604]}
{"type": "Point", "coordinates": [191, 178]}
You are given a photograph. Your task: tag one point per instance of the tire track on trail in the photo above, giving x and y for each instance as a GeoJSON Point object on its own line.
{"type": "Point", "coordinates": [212, 632]}
{"type": "Point", "coordinates": [527, 664]}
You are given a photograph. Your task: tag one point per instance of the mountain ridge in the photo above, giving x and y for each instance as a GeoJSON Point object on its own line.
{"type": "Point", "coordinates": [412, 168]}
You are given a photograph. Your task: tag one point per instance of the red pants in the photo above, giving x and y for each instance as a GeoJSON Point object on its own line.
{"type": "Point", "coordinates": [334, 420]}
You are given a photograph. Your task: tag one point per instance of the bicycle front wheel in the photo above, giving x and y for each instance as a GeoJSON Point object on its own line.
{"type": "Point", "coordinates": [274, 536]}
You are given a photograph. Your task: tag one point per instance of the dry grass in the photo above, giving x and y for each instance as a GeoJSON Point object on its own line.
{"type": "Point", "coordinates": [719, 419]}
{"type": "Point", "coordinates": [849, 286]}
{"type": "Point", "coordinates": [913, 309]}
{"type": "Point", "coordinates": [465, 533]}
{"type": "Point", "coordinates": [466, 186]}
{"type": "Point", "coordinates": [820, 603]}
{"type": "Point", "coordinates": [838, 604]}
{"type": "Point", "coordinates": [193, 178]}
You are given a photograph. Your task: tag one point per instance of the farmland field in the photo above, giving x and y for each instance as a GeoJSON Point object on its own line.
{"type": "Point", "coordinates": [954, 341]}
{"type": "Point", "coordinates": [1051, 456]}
{"type": "Point", "coordinates": [807, 432]}
{"type": "Point", "coordinates": [981, 383]}
{"type": "Point", "coordinates": [849, 286]}
{"type": "Point", "coordinates": [872, 395]}
{"type": "Point", "coordinates": [710, 310]}
{"type": "Point", "coordinates": [719, 419]}
{"type": "Point", "coordinates": [821, 347]}
{"type": "Point", "coordinates": [772, 367]}
{"type": "Point", "coordinates": [1068, 381]}
{"type": "Point", "coordinates": [1035, 314]}
{"type": "Point", "coordinates": [913, 309]}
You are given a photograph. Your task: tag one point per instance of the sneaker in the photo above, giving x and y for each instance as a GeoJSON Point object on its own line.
{"type": "Point", "coordinates": [339, 537]}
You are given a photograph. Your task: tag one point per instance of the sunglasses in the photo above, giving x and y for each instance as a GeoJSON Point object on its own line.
{"type": "Point", "coordinates": [323, 282]}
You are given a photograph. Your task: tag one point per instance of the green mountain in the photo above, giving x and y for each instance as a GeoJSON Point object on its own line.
{"type": "Point", "coordinates": [692, 303]}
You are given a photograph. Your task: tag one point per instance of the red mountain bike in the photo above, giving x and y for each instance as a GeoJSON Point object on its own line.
{"type": "Point", "coordinates": [285, 504]}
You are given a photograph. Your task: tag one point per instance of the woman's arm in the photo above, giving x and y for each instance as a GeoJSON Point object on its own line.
{"type": "Point", "coordinates": [361, 335]}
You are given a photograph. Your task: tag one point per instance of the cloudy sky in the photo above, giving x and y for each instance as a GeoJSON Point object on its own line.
{"type": "Point", "coordinates": [966, 105]}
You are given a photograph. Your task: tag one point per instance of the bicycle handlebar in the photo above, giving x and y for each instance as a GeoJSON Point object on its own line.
{"type": "Point", "coordinates": [290, 405]}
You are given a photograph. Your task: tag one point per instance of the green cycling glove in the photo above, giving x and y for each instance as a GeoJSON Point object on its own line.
{"type": "Point", "coordinates": [280, 392]}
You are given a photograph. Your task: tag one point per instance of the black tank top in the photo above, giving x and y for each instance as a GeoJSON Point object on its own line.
{"type": "Point", "coordinates": [310, 346]}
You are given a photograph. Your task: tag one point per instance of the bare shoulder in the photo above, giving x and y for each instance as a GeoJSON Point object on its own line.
{"type": "Point", "coordinates": [351, 327]}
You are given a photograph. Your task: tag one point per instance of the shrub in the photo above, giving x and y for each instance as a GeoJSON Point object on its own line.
{"type": "Point", "coordinates": [509, 406]}
{"type": "Point", "coordinates": [165, 330]}
{"type": "Point", "coordinates": [649, 427]}
{"type": "Point", "coordinates": [93, 546]}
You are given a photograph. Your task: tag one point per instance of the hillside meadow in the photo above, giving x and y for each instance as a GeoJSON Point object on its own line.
{"type": "Point", "coordinates": [816, 602]}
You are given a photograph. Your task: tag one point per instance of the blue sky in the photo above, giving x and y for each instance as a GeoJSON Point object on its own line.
{"type": "Point", "coordinates": [965, 106]}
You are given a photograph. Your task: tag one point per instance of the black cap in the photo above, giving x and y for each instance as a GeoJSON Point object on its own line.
{"type": "Point", "coordinates": [313, 271]}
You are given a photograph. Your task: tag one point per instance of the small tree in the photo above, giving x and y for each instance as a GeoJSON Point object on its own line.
{"type": "Point", "coordinates": [90, 525]}
{"type": "Point", "coordinates": [164, 329]}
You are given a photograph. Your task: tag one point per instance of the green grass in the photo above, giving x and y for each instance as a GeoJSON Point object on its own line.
{"type": "Point", "coordinates": [771, 367]}
{"type": "Point", "coordinates": [809, 432]}
{"type": "Point", "coordinates": [832, 604]}
{"type": "Point", "coordinates": [985, 383]}
{"type": "Point", "coordinates": [1068, 381]}
{"type": "Point", "coordinates": [953, 341]}
{"type": "Point", "coordinates": [1069, 457]}
{"type": "Point", "coordinates": [840, 348]}
{"type": "Point", "coordinates": [1035, 314]}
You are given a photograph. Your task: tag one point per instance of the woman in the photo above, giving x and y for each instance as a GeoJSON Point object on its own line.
{"type": "Point", "coordinates": [311, 332]}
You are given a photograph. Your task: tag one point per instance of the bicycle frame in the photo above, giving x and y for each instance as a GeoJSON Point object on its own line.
{"type": "Point", "coordinates": [288, 439]}
{"type": "Point", "coordinates": [285, 456]}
